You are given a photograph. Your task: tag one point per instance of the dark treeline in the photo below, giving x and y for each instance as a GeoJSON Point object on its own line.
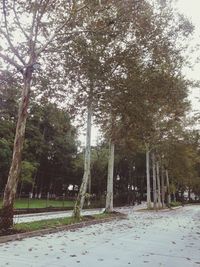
{"type": "Point", "coordinates": [52, 158]}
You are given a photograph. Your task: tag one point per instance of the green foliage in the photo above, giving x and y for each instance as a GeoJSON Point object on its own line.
{"type": "Point", "coordinates": [49, 149]}
{"type": "Point", "coordinates": [175, 204]}
{"type": "Point", "coordinates": [28, 170]}
{"type": "Point", "coordinates": [5, 158]}
{"type": "Point", "coordinates": [50, 141]}
{"type": "Point", "coordinates": [44, 224]}
{"type": "Point", "coordinates": [99, 165]}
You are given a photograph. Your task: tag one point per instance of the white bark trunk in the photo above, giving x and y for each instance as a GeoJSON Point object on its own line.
{"type": "Point", "coordinates": [168, 189]}
{"type": "Point", "coordinates": [148, 177]}
{"type": "Point", "coordinates": [158, 183]}
{"type": "Point", "coordinates": [109, 195]}
{"type": "Point", "coordinates": [89, 182]}
{"type": "Point", "coordinates": [154, 181]}
{"type": "Point", "coordinates": [163, 187]}
{"type": "Point", "coordinates": [81, 195]}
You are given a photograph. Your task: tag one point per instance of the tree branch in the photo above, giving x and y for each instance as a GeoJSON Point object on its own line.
{"type": "Point", "coordinates": [38, 19]}
{"type": "Point", "coordinates": [7, 36]}
{"type": "Point", "coordinates": [40, 50]}
{"type": "Point", "coordinates": [18, 21]}
{"type": "Point", "coordinates": [33, 24]}
{"type": "Point", "coordinates": [11, 61]}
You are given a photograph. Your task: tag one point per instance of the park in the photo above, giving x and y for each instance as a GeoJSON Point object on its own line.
{"type": "Point", "coordinates": [99, 133]}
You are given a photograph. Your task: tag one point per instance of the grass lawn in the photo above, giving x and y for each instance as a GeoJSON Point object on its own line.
{"type": "Point", "coordinates": [40, 203]}
{"type": "Point", "coordinates": [44, 224]}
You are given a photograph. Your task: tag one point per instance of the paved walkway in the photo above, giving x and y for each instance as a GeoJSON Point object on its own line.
{"type": "Point", "coordinates": [150, 239]}
{"type": "Point", "coordinates": [22, 218]}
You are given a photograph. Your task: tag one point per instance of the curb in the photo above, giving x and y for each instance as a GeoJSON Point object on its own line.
{"type": "Point", "coordinates": [171, 209]}
{"type": "Point", "coordinates": [20, 236]}
{"type": "Point", "coordinates": [176, 208]}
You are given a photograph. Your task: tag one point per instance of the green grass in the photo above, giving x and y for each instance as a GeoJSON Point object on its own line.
{"type": "Point", "coordinates": [44, 224]}
{"type": "Point", "coordinates": [40, 203]}
{"type": "Point", "coordinates": [52, 223]}
{"type": "Point", "coordinates": [175, 204]}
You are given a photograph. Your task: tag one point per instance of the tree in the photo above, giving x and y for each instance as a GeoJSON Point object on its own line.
{"type": "Point", "coordinates": [181, 161]}
{"type": "Point", "coordinates": [23, 56]}
{"type": "Point", "coordinates": [28, 170]}
{"type": "Point", "coordinates": [149, 73]}
{"type": "Point", "coordinates": [88, 55]}
{"type": "Point", "coordinates": [50, 141]}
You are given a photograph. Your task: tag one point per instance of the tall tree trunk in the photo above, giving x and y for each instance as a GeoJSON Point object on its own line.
{"type": "Point", "coordinates": [168, 189]}
{"type": "Point", "coordinates": [89, 189]}
{"type": "Point", "coordinates": [82, 191]}
{"type": "Point", "coordinates": [109, 194]}
{"type": "Point", "coordinates": [89, 183]}
{"type": "Point", "coordinates": [6, 220]}
{"type": "Point", "coordinates": [154, 181]}
{"type": "Point", "coordinates": [163, 187]}
{"type": "Point", "coordinates": [158, 183]}
{"type": "Point", "coordinates": [189, 193]}
{"type": "Point", "coordinates": [148, 177]}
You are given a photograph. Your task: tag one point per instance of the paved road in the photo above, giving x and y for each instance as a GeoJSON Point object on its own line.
{"type": "Point", "coordinates": [150, 239]}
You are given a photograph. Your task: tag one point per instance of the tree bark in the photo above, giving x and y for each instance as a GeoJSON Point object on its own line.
{"type": "Point", "coordinates": [154, 181]}
{"type": "Point", "coordinates": [109, 194]}
{"type": "Point", "coordinates": [168, 189]}
{"type": "Point", "coordinates": [158, 183]}
{"type": "Point", "coordinates": [148, 177]}
{"type": "Point", "coordinates": [89, 188]}
{"type": "Point", "coordinates": [162, 187]}
{"type": "Point", "coordinates": [6, 220]}
{"type": "Point", "coordinates": [83, 188]}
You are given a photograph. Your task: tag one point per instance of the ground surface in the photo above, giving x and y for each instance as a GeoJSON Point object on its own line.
{"type": "Point", "coordinates": [144, 239]}
{"type": "Point", "coordinates": [23, 218]}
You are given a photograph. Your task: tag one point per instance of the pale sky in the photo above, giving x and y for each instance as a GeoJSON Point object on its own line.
{"type": "Point", "coordinates": [191, 8]}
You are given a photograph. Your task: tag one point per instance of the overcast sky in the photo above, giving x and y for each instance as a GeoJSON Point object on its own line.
{"type": "Point", "coordinates": [191, 8]}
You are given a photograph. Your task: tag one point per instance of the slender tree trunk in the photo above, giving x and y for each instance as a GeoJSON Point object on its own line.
{"type": "Point", "coordinates": [163, 187]}
{"type": "Point", "coordinates": [168, 189]}
{"type": "Point", "coordinates": [189, 193]}
{"type": "Point", "coordinates": [109, 195]}
{"type": "Point", "coordinates": [154, 181]}
{"type": "Point", "coordinates": [6, 220]}
{"type": "Point", "coordinates": [83, 188]}
{"type": "Point", "coordinates": [158, 183]}
{"type": "Point", "coordinates": [148, 177]}
{"type": "Point", "coordinates": [174, 194]}
{"type": "Point", "coordinates": [89, 183]}
{"type": "Point", "coordinates": [89, 188]}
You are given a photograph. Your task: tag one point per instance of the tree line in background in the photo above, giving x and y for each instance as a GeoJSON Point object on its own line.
{"type": "Point", "coordinates": [119, 65]}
